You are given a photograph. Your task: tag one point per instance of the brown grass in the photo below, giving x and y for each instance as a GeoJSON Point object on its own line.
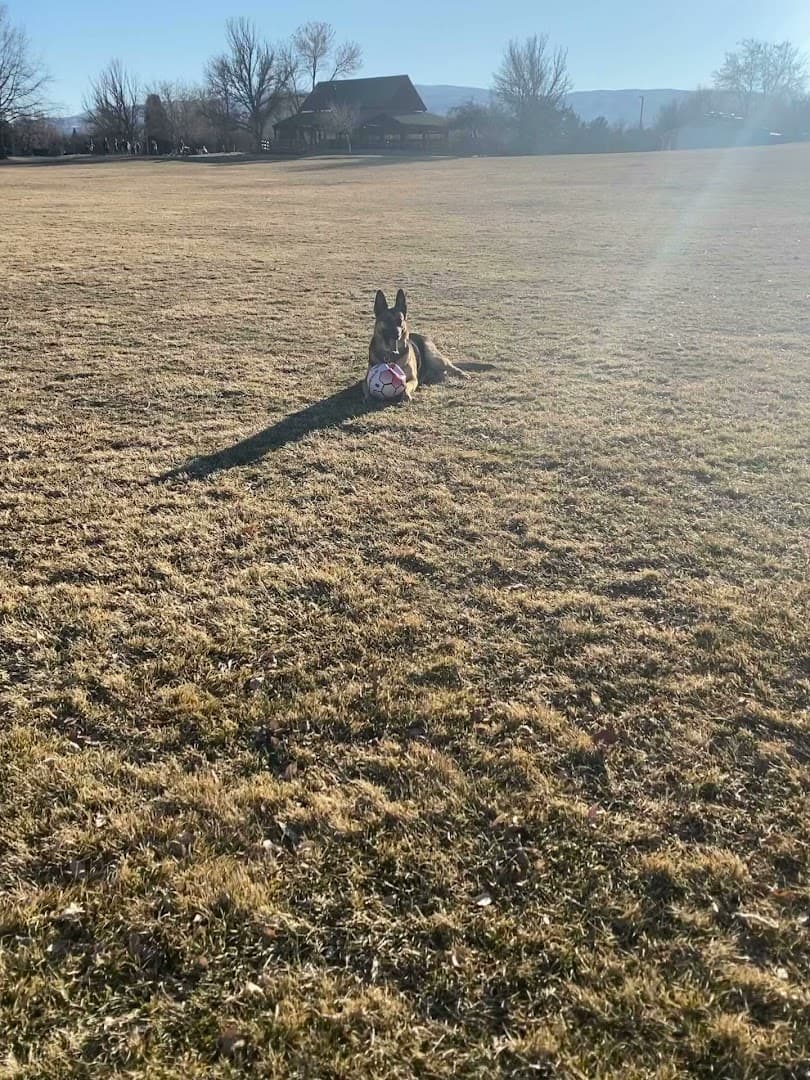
{"type": "Point", "coordinates": [468, 739]}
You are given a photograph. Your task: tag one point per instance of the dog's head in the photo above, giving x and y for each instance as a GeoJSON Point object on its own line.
{"type": "Point", "coordinates": [391, 327]}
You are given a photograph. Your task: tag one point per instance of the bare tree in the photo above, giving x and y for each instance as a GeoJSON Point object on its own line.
{"type": "Point", "coordinates": [312, 43]}
{"type": "Point", "coordinates": [532, 83]}
{"type": "Point", "coordinates": [112, 103]}
{"type": "Point", "coordinates": [249, 82]}
{"type": "Point", "coordinates": [185, 106]}
{"type": "Point", "coordinates": [218, 109]}
{"type": "Point", "coordinates": [314, 46]}
{"type": "Point", "coordinates": [342, 121]}
{"type": "Point", "coordinates": [290, 62]}
{"type": "Point", "coordinates": [22, 79]}
{"type": "Point", "coordinates": [760, 73]}
{"type": "Point", "coordinates": [346, 60]}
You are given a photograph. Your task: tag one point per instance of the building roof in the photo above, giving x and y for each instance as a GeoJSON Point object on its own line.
{"type": "Point", "coordinates": [419, 120]}
{"type": "Point", "coordinates": [301, 120]}
{"type": "Point", "coordinates": [388, 93]}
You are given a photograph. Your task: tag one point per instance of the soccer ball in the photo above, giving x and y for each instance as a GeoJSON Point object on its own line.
{"type": "Point", "coordinates": [386, 382]}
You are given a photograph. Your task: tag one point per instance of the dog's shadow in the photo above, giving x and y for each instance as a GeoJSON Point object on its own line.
{"type": "Point", "coordinates": [330, 412]}
{"type": "Point", "coordinates": [475, 365]}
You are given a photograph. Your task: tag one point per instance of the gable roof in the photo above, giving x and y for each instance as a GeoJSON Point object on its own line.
{"type": "Point", "coordinates": [388, 93]}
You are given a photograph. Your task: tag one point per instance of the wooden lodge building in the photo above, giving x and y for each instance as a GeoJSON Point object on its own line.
{"type": "Point", "coordinates": [381, 112]}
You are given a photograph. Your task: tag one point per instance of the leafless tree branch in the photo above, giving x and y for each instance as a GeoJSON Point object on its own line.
{"type": "Point", "coordinates": [532, 84]}
{"type": "Point", "coordinates": [22, 78]}
{"type": "Point", "coordinates": [759, 72]}
{"type": "Point", "coordinates": [111, 106]}
{"type": "Point", "coordinates": [347, 59]}
{"type": "Point", "coordinates": [314, 44]}
{"type": "Point", "coordinates": [250, 81]}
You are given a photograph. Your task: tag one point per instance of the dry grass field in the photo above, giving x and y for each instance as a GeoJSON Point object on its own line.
{"type": "Point", "coordinates": [468, 739]}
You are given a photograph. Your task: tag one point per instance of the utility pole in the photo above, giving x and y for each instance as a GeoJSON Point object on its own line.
{"type": "Point", "coordinates": [641, 115]}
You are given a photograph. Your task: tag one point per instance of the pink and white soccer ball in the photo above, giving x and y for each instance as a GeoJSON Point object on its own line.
{"type": "Point", "coordinates": [386, 382]}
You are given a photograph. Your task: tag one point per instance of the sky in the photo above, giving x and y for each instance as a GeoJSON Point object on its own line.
{"type": "Point", "coordinates": [642, 44]}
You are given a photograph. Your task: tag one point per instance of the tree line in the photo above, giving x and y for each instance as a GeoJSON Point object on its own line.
{"type": "Point", "coordinates": [528, 111]}
{"type": "Point", "coordinates": [252, 83]}
{"type": "Point", "coordinates": [759, 89]}
{"type": "Point", "coordinates": [244, 88]}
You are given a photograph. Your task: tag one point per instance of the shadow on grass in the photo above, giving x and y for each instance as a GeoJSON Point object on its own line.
{"type": "Point", "coordinates": [476, 365]}
{"type": "Point", "coordinates": [228, 159]}
{"type": "Point", "coordinates": [305, 162]}
{"type": "Point", "coordinates": [330, 412]}
{"type": "Point", "coordinates": [73, 159]}
{"type": "Point", "coordinates": [160, 159]}
{"type": "Point", "coordinates": [323, 164]}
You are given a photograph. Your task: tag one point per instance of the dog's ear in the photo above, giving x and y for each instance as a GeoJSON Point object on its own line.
{"type": "Point", "coordinates": [401, 304]}
{"type": "Point", "coordinates": [380, 303]}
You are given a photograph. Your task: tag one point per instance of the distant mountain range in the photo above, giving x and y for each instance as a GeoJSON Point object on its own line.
{"type": "Point", "coordinates": [617, 106]}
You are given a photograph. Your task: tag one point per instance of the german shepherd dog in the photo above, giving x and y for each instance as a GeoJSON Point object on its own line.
{"type": "Point", "coordinates": [392, 343]}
